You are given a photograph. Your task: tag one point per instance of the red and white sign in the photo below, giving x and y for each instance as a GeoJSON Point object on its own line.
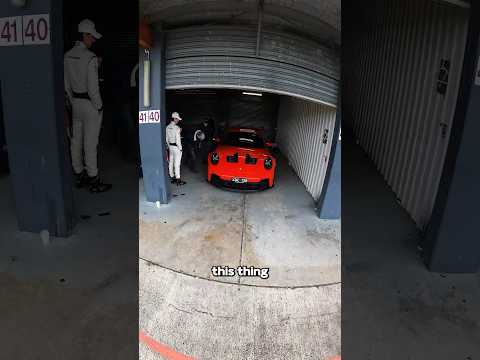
{"type": "Point", "coordinates": [36, 29]}
{"type": "Point", "coordinates": [11, 31]}
{"type": "Point", "coordinates": [25, 30]}
{"type": "Point", "coordinates": [149, 117]}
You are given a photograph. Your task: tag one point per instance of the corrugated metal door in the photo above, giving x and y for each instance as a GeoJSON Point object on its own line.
{"type": "Point", "coordinates": [304, 135]}
{"type": "Point", "coordinates": [225, 57]}
{"type": "Point", "coordinates": [400, 97]}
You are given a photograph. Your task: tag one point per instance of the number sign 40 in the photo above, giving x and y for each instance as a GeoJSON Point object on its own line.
{"type": "Point", "coordinates": [36, 29]}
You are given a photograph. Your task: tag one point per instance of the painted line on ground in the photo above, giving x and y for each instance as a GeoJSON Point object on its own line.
{"type": "Point", "coordinates": [161, 349]}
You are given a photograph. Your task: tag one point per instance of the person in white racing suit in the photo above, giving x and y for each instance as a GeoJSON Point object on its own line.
{"type": "Point", "coordinates": [82, 89]}
{"type": "Point", "coordinates": [174, 143]}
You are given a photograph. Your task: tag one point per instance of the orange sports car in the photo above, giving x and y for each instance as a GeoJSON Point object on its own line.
{"type": "Point", "coordinates": [242, 160]}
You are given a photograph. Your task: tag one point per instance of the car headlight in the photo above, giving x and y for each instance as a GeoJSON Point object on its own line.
{"type": "Point", "coordinates": [214, 158]}
{"type": "Point", "coordinates": [268, 163]}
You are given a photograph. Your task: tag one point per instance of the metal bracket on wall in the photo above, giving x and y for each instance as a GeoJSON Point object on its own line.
{"type": "Point", "coordinates": [325, 136]}
{"type": "Point", "coordinates": [442, 81]}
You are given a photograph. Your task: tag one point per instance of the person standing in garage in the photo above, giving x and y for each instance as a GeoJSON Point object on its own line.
{"type": "Point", "coordinates": [82, 89]}
{"type": "Point", "coordinates": [174, 143]}
{"type": "Point", "coordinates": [208, 129]}
{"type": "Point", "coordinates": [193, 145]}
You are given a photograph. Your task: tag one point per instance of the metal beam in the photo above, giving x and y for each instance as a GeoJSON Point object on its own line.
{"type": "Point", "coordinates": [34, 110]}
{"type": "Point", "coordinates": [259, 26]}
{"type": "Point", "coordinates": [152, 135]}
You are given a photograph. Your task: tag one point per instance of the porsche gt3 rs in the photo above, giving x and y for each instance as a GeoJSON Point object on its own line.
{"type": "Point", "coordinates": [242, 160]}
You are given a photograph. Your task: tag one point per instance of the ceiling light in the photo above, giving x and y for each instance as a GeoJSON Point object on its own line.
{"type": "Point", "coordinates": [251, 93]}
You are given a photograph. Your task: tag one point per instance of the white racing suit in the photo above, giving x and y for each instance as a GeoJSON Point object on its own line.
{"type": "Point", "coordinates": [81, 86]}
{"type": "Point", "coordinates": [174, 143]}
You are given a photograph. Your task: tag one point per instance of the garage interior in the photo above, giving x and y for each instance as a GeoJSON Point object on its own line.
{"type": "Point", "coordinates": [261, 77]}
{"type": "Point", "coordinates": [204, 225]}
{"type": "Point", "coordinates": [261, 64]}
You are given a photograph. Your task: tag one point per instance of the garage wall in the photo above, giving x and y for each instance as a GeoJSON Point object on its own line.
{"type": "Point", "coordinates": [225, 57]}
{"type": "Point", "coordinates": [300, 136]}
{"type": "Point", "coordinates": [404, 114]}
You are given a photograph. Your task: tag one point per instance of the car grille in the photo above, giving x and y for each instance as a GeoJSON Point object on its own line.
{"type": "Point", "coordinates": [250, 160]}
{"type": "Point", "coordinates": [232, 158]}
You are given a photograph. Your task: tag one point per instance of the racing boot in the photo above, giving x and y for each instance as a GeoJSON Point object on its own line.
{"type": "Point", "coordinates": [81, 179]}
{"type": "Point", "coordinates": [180, 182]}
{"type": "Point", "coordinates": [97, 186]}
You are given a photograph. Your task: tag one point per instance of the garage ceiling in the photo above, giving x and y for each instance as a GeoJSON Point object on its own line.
{"type": "Point", "coordinates": [316, 19]}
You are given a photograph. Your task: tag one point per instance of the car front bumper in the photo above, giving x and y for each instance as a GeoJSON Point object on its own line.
{"type": "Point", "coordinates": [248, 186]}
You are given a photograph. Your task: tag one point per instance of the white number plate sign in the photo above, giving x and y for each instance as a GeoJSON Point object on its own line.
{"type": "Point", "coordinates": [11, 31]}
{"type": "Point", "coordinates": [36, 29]}
{"type": "Point", "coordinates": [149, 117]}
{"type": "Point", "coordinates": [25, 30]}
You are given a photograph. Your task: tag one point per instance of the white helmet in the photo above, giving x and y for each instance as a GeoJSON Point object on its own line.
{"type": "Point", "coordinates": [175, 115]}
{"type": "Point", "coordinates": [199, 135]}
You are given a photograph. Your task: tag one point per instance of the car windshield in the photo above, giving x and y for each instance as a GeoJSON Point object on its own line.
{"type": "Point", "coordinates": [244, 139]}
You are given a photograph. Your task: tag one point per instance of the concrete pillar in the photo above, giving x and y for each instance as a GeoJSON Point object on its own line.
{"type": "Point", "coordinates": [32, 93]}
{"type": "Point", "coordinates": [452, 237]}
{"type": "Point", "coordinates": [152, 135]}
{"type": "Point", "coordinates": [329, 205]}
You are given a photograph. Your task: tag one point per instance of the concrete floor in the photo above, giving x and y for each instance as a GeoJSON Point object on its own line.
{"type": "Point", "coordinates": [75, 298]}
{"type": "Point", "coordinates": [294, 314]}
{"type": "Point", "coordinates": [392, 306]}
{"type": "Point", "coordinates": [206, 319]}
{"type": "Point", "coordinates": [204, 226]}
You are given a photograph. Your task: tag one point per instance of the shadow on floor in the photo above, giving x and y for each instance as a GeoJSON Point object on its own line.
{"type": "Point", "coordinates": [410, 313]}
{"type": "Point", "coordinates": [74, 298]}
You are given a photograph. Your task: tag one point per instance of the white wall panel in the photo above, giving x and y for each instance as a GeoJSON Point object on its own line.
{"type": "Point", "coordinates": [399, 117]}
{"type": "Point", "coordinates": [300, 128]}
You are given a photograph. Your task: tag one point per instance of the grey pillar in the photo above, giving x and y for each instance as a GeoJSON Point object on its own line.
{"type": "Point", "coordinates": [329, 205]}
{"type": "Point", "coordinates": [152, 136]}
{"type": "Point", "coordinates": [452, 237]}
{"type": "Point", "coordinates": [32, 93]}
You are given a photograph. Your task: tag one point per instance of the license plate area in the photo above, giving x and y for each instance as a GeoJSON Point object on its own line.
{"type": "Point", "coordinates": [239, 180]}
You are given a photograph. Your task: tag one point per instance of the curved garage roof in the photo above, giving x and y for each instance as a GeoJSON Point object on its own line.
{"type": "Point", "coordinates": [316, 19]}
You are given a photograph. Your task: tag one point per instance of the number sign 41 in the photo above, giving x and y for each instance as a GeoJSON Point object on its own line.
{"type": "Point", "coordinates": [11, 31]}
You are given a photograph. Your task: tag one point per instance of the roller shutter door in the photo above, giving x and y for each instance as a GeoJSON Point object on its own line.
{"type": "Point", "coordinates": [224, 57]}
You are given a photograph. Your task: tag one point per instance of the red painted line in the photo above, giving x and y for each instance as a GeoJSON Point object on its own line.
{"type": "Point", "coordinates": [161, 349]}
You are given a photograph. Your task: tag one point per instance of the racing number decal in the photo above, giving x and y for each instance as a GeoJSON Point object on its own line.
{"type": "Point", "coordinates": [36, 29]}
{"type": "Point", "coordinates": [11, 31]}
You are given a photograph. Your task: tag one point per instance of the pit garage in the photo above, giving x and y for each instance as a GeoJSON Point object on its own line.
{"type": "Point", "coordinates": [266, 65]}
{"type": "Point", "coordinates": [239, 74]}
